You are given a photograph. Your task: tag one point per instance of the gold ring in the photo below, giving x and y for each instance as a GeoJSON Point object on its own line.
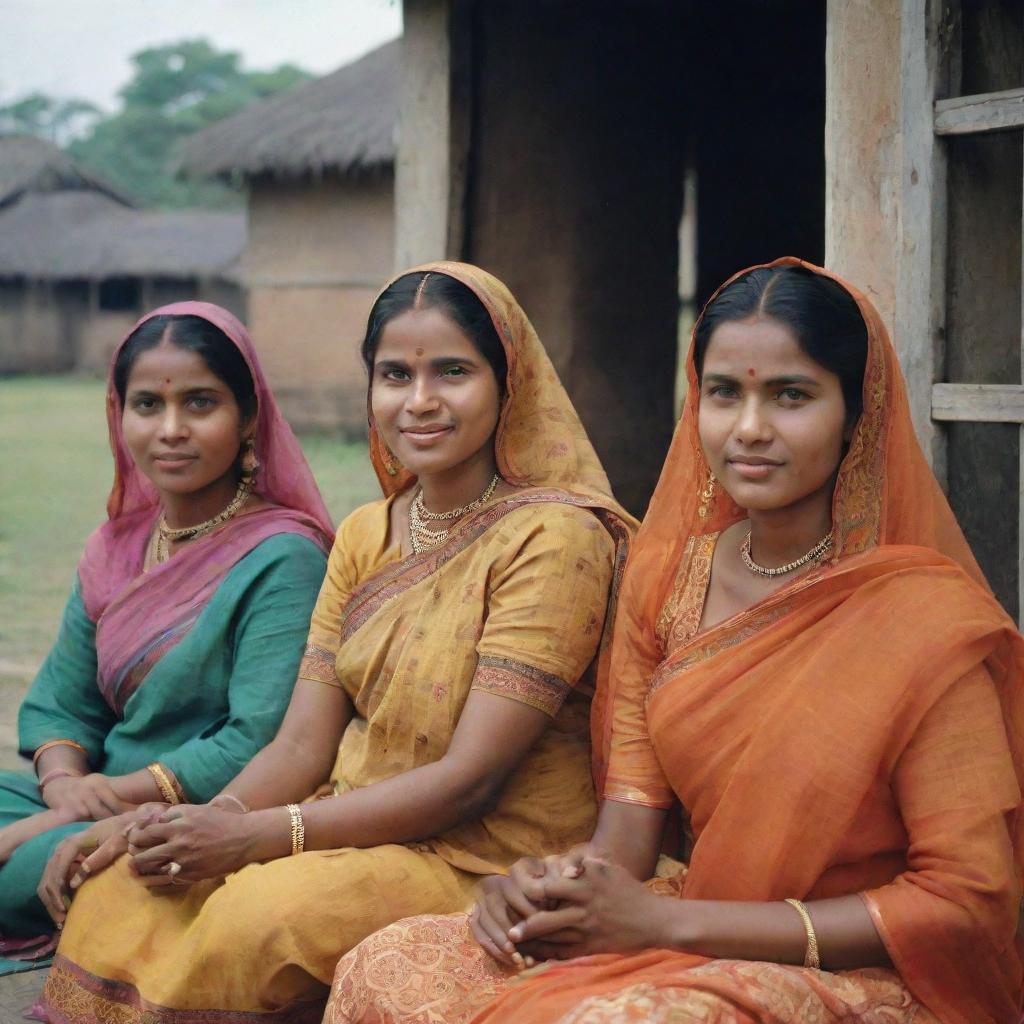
{"type": "Point", "coordinates": [173, 868]}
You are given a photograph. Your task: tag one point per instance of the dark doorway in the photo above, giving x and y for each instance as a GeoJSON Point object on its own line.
{"type": "Point", "coordinates": [583, 120]}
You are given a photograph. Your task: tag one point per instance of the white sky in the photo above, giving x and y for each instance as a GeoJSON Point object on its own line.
{"type": "Point", "coordinates": [81, 48]}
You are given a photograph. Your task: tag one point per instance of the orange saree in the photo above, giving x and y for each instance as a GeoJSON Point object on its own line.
{"type": "Point", "coordinates": [859, 731]}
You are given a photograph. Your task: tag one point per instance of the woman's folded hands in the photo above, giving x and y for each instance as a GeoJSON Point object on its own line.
{"type": "Point", "coordinates": [190, 842]}
{"type": "Point", "coordinates": [565, 906]}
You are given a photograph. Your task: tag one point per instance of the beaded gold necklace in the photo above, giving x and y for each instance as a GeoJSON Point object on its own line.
{"type": "Point", "coordinates": [166, 536]}
{"type": "Point", "coordinates": [422, 536]}
{"type": "Point", "coordinates": [814, 555]}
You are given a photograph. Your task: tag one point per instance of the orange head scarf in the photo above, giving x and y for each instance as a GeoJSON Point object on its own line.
{"type": "Point", "coordinates": [885, 493]}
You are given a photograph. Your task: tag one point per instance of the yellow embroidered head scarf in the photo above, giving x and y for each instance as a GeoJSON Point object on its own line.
{"type": "Point", "coordinates": [540, 441]}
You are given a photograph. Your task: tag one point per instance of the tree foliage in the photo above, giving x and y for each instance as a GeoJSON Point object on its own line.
{"type": "Point", "coordinates": [55, 120]}
{"type": "Point", "coordinates": [174, 91]}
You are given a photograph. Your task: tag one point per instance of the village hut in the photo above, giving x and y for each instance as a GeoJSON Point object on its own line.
{"type": "Point", "coordinates": [556, 143]}
{"type": "Point", "coordinates": [79, 263]}
{"type": "Point", "coordinates": [318, 161]}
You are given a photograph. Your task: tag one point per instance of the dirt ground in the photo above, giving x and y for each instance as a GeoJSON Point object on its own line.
{"type": "Point", "coordinates": [17, 993]}
{"type": "Point", "coordinates": [13, 684]}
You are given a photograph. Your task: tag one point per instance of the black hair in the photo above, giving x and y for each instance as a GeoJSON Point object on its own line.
{"type": "Point", "coordinates": [452, 297]}
{"type": "Point", "coordinates": [823, 316]}
{"type": "Point", "coordinates": [194, 334]}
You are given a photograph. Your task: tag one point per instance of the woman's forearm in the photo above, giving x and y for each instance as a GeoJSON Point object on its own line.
{"type": "Point", "coordinates": [775, 932]}
{"type": "Point", "coordinates": [299, 758]}
{"type": "Point", "coordinates": [415, 805]}
{"type": "Point", "coordinates": [136, 788]}
{"type": "Point", "coordinates": [282, 772]}
{"type": "Point", "coordinates": [62, 757]}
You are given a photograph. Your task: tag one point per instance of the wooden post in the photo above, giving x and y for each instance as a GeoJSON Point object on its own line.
{"type": "Point", "coordinates": [433, 135]}
{"type": "Point", "coordinates": [885, 181]}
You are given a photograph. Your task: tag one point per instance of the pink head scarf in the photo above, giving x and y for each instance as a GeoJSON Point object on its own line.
{"type": "Point", "coordinates": [131, 608]}
{"type": "Point", "coordinates": [284, 477]}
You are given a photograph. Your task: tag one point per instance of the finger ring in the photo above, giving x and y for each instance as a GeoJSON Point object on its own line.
{"type": "Point", "coordinates": [173, 868]}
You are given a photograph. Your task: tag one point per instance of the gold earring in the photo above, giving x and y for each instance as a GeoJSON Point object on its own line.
{"type": "Point", "coordinates": [391, 464]}
{"type": "Point", "coordinates": [707, 497]}
{"type": "Point", "coordinates": [250, 462]}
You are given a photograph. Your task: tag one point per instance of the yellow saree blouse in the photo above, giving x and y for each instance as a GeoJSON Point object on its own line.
{"type": "Point", "coordinates": [517, 608]}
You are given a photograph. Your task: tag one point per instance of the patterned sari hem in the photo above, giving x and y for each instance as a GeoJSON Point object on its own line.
{"type": "Point", "coordinates": [73, 995]}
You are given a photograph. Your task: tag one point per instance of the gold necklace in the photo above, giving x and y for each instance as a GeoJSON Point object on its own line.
{"type": "Point", "coordinates": [814, 555]}
{"type": "Point", "coordinates": [165, 535]}
{"type": "Point", "coordinates": [422, 536]}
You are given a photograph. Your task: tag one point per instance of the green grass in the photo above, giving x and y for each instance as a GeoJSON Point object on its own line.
{"type": "Point", "coordinates": [55, 474]}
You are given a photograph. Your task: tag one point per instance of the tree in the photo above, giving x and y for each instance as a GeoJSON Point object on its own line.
{"type": "Point", "coordinates": [175, 90]}
{"type": "Point", "coordinates": [56, 120]}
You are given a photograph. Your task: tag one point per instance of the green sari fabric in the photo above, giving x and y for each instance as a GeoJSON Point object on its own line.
{"type": "Point", "coordinates": [206, 707]}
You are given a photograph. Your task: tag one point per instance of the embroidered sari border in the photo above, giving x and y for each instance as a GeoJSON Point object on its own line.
{"type": "Point", "coordinates": [73, 994]}
{"type": "Point", "coordinates": [731, 632]}
{"type": "Point", "coordinates": [525, 683]}
{"type": "Point", "coordinates": [318, 665]}
{"type": "Point", "coordinates": [396, 578]}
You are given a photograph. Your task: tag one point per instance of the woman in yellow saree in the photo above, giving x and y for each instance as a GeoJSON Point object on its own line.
{"type": "Point", "coordinates": [808, 661]}
{"type": "Point", "coordinates": [445, 679]}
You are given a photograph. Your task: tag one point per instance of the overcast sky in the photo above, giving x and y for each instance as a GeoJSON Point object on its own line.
{"type": "Point", "coordinates": [81, 48]}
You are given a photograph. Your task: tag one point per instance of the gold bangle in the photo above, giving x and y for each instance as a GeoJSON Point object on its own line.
{"type": "Point", "coordinates": [811, 958]}
{"type": "Point", "coordinates": [57, 743]}
{"type": "Point", "coordinates": [298, 828]}
{"type": "Point", "coordinates": [163, 783]}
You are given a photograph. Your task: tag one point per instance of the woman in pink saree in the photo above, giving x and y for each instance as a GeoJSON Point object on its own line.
{"type": "Point", "coordinates": [182, 636]}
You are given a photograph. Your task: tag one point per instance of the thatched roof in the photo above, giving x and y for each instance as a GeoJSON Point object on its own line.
{"type": "Point", "coordinates": [81, 234]}
{"type": "Point", "coordinates": [28, 164]}
{"type": "Point", "coordinates": [344, 122]}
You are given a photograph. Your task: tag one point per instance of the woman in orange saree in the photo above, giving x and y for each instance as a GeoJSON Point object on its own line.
{"type": "Point", "coordinates": [850, 740]}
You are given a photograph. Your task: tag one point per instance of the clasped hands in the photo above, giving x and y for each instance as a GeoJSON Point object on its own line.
{"type": "Point", "coordinates": [566, 906]}
{"type": "Point", "coordinates": [203, 841]}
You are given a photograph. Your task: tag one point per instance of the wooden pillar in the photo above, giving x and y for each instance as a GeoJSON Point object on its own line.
{"type": "Point", "coordinates": [885, 179]}
{"type": "Point", "coordinates": [433, 134]}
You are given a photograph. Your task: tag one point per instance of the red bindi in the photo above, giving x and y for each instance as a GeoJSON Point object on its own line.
{"type": "Point", "coordinates": [750, 373]}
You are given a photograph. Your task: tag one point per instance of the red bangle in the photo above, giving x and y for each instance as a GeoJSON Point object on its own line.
{"type": "Point", "coordinates": [57, 773]}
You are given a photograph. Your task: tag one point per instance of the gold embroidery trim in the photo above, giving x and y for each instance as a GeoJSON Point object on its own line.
{"type": "Point", "coordinates": [681, 614]}
{"type": "Point", "coordinates": [521, 682]}
{"type": "Point", "coordinates": [318, 665]}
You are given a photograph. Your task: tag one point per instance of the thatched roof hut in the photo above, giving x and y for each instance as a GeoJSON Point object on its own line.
{"type": "Point", "coordinates": [343, 123]}
{"type": "Point", "coordinates": [79, 263]}
{"type": "Point", "coordinates": [87, 235]}
{"type": "Point", "coordinates": [59, 221]}
{"type": "Point", "coordinates": [28, 164]}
